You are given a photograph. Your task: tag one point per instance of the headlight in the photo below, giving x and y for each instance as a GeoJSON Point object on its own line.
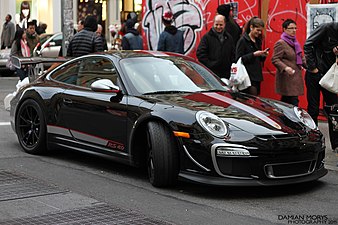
{"type": "Point", "coordinates": [305, 118]}
{"type": "Point", "coordinates": [212, 123]}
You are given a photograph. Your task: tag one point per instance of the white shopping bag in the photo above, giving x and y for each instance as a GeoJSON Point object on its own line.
{"type": "Point", "coordinates": [239, 76]}
{"type": "Point", "coordinates": [330, 80]}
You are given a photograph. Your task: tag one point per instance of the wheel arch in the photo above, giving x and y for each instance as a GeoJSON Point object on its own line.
{"type": "Point", "coordinates": [31, 95]}
{"type": "Point", "coordinates": [137, 139]}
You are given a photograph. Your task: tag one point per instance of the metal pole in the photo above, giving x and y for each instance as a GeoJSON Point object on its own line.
{"type": "Point", "coordinates": [67, 24]}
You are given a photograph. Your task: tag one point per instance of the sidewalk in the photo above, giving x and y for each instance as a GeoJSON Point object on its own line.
{"type": "Point", "coordinates": [331, 158]}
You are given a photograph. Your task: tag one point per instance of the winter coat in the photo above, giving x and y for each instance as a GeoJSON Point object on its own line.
{"type": "Point", "coordinates": [32, 41]}
{"type": "Point", "coordinates": [132, 40]}
{"type": "Point", "coordinates": [319, 45]}
{"type": "Point", "coordinates": [84, 42]}
{"type": "Point", "coordinates": [283, 56]}
{"type": "Point", "coordinates": [171, 40]}
{"type": "Point", "coordinates": [215, 55]}
{"type": "Point", "coordinates": [245, 49]}
{"type": "Point", "coordinates": [7, 35]}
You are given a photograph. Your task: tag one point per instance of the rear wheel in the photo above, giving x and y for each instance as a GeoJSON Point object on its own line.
{"type": "Point", "coordinates": [31, 127]}
{"type": "Point", "coordinates": [163, 160]}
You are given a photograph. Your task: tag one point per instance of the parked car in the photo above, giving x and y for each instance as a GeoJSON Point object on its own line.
{"type": "Point", "coordinates": [4, 56]}
{"type": "Point", "coordinates": [50, 45]}
{"type": "Point", "coordinates": [170, 114]}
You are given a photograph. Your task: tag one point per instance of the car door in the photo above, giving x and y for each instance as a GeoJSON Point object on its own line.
{"type": "Point", "coordinates": [52, 47]}
{"type": "Point", "coordinates": [97, 120]}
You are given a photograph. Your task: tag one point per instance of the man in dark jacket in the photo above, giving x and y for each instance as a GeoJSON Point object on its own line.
{"type": "Point", "coordinates": [171, 39]}
{"type": "Point", "coordinates": [7, 34]}
{"type": "Point", "coordinates": [321, 50]}
{"type": "Point", "coordinates": [216, 49]}
{"type": "Point", "coordinates": [86, 41]}
{"type": "Point", "coordinates": [132, 40]}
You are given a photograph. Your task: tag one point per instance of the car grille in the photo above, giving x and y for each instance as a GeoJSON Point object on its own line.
{"type": "Point", "coordinates": [288, 170]}
{"type": "Point", "coordinates": [237, 161]}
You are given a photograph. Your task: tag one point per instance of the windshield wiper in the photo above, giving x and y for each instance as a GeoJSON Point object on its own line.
{"type": "Point", "coordinates": [166, 92]}
{"type": "Point", "coordinates": [214, 90]}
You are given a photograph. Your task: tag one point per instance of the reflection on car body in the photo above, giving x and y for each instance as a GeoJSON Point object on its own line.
{"type": "Point", "coordinates": [170, 114]}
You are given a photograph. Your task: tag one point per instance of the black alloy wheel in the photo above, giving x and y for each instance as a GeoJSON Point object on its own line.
{"type": "Point", "coordinates": [31, 127]}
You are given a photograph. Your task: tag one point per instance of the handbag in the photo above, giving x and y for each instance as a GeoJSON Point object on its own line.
{"type": "Point", "coordinates": [239, 77]}
{"type": "Point", "coordinates": [330, 80]}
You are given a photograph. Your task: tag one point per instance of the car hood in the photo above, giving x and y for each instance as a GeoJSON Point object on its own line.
{"type": "Point", "coordinates": [252, 114]}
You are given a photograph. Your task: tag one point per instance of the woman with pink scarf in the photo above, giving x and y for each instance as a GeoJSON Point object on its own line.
{"type": "Point", "coordinates": [20, 49]}
{"type": "Point", "coordinates": [289, 60]}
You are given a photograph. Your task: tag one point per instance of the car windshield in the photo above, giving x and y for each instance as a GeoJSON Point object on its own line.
{"type": "Point", "coordinates": [151, 75]}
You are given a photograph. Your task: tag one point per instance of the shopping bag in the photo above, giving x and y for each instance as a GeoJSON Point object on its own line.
{"type": "Point", "coordinates": [330, 80]}
{"type": "Point", "coordinates": [239, 77]}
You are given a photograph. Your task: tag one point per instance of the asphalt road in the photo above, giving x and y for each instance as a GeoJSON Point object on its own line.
{"type": "Point", "coordinates": [66, 183]}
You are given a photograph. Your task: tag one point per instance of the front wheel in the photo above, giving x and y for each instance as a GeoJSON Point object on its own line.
{"type": "Point", "coordinates": [31, 127]}
{"type": "Point", "coordinates": [163, 160]}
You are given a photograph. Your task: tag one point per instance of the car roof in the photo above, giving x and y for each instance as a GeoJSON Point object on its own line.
{"type": "Point", "coordinates": [122, 54]}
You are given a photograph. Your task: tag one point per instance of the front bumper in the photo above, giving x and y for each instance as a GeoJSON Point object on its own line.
{"type": "Point", "coordinates": [220, 181]}
{"type": "Point", "coordinates": [243, 165]}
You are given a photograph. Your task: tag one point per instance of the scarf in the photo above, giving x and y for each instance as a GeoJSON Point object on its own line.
{"type": "Point", "coordinates": [220, 36]}
{"type": "Point", "coordinates": [292, 41]}
{"type": "Point", "coordinates": [25, 49]}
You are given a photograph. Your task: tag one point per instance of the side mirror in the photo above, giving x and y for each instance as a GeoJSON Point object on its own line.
{"type": "Point", "coordinates": [104, 85]}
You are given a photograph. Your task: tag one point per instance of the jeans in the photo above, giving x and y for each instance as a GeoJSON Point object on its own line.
{"type": "Point", "coordinates": [22, 74]}
{"type": "Point", "coordinates": [293, 100]}
{"type": "Point", "coordinates": [313, 99]}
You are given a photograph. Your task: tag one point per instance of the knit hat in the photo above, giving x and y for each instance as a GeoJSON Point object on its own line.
{"type": "Point", "coordinates": [168, 16]}
{"type": "Point", "coordinates": [90, 23]}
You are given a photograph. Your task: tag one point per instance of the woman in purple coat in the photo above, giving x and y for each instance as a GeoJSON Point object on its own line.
{"type": "Point", "coordinates": [288, 59]}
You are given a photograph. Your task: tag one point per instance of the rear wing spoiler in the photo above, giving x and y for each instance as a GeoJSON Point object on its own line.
{"type": "Point", "coordinates": [18, 61]}
{"type": "Point", "coordinates": [35, 64]}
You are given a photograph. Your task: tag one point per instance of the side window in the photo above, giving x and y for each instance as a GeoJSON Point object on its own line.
{"type": "Point", "coordinates": [96, 68]}
{"type": "Point", "coordinates": [67, 74]}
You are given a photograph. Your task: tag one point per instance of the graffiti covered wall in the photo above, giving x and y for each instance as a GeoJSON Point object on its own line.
{"type": "Point", "coordinates": [195, 18]}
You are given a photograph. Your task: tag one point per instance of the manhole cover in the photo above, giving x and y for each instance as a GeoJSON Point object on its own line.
{"type": "Point", "coordinates": [16, 186]}
{"type": "Point", "coordinates": [97, 214]}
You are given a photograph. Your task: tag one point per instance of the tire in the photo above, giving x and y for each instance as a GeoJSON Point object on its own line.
{"type": "Point", "coordinates": [31, 128]}
{"type": "Point", "coordinates": [163, 160]}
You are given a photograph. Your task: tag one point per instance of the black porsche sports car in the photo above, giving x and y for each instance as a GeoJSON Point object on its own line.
{"type": "Point", "coordinates": [171, 114]}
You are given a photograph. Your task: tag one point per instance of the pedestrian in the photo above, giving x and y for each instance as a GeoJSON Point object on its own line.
{"type": "Point", "coordinates": [288, 60]}
{"type": "Point", "coordinates": [23, 18]}
{"type": "Point", "coordinates": [131, 16]}
{"type": "Point", "coordinates": [86, 41]}
{"type": "Point", "coordinates": [171, 39]}
{"type": "Point", "coordinates": [20, 48]}
{"type": "Point", "coordinates": [231, 25]}
{"type": "Point", "coordinates": [321, 50]}
{"type": "Point", "coordinates": [249, 47]}
{"type": "Point", "coordinates": [216, 49]}
{"type": "Point", "coordinates": [41, 29]}
{"type": "Point", "coordinates": [33, 39]}
{"type": "Point", "coordinates": [80, 25]}
{"type": "Point", "coordinates": [132, 40]}
{"type": "Point", "coordinates": [8, 32]}
{"type": "Point", "coordinates": [99, 33]}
